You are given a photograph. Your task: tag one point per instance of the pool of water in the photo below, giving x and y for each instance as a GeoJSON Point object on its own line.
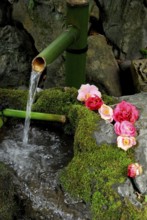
{"type": "Point", "coordinates": [37, 166]}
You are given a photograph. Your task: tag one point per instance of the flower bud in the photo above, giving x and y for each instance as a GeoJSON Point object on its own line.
{"type": "Point", "coordinates": [134, 170]}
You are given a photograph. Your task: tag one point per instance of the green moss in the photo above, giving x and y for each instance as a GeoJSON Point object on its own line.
{"type": "Point", "coordinates": [15, 99]}
{"type": "Point", "coordinates": [56, 101]}
{"type": "Point", "coordinates": [109, 100]}
{"type": "Point", "coordinates": [94, 176]}
{"type": "Point", "coordinates": [84, 123]}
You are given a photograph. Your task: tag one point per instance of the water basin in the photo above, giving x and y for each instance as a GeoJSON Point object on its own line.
{"type": "Point", "coordinates": [37, 166]}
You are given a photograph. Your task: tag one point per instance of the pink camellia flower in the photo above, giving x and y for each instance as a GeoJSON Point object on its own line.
{"type": "Point", "coordinates": [125, 128]}
{"type": "Point", "coordinates": [106, 112]}
{"type": "Point", "coordinates": [125, 143]}
{"type": "Point", "coordinates": [94, 102]}
{"type": "Point", "coordinates": [125, 111]}
{"type": "Point", "coordinates": [134, 170]}
{"type": "Point", "coordinates": [87, 91]}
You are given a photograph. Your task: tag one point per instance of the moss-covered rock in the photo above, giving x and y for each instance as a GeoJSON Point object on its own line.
{"type": "Point", "coordinates": [84, 123]}
{"type": "Point", "coordinates": [94, 176]}
{"type": "Point", "coordinates": [95, 171]}
{"type": "Point", "coordinates": [56, 101]}
{"type": "Point", "coordinates": [15, 99]}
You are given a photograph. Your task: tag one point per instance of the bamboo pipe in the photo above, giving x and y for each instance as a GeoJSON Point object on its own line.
{"type": "Point", "coordinates": [50, 53]}
{"type": "Point", "coordinates": [77, 15]}
{"type": "Point", "coordinates": [34, 115]}
{"type": "Point", "coordinates": [74, 41]}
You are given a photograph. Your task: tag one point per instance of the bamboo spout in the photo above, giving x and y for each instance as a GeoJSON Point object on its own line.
{"type": "Point", "coordinates": [73, 41]}
{"type": "Point", "coordinates": [50, 53]}
{"type": "Point", "coordinates": [38, 64]}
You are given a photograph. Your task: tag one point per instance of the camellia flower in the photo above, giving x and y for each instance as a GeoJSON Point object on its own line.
{"type": "Point", "coordinates": [94, 102]}
{"type": "Point", "coordinates": [125, 128]}
{"type": "Point", "coordinates": [125, 111]}
{"type": "Point", "coordinates": [134, 170]}
{"type": "Point", "coordinates": [125, 142]}
{"type": "Point", "coordinates": [106, 112]}
{"type": "Point", "coordinates": [87, 91]}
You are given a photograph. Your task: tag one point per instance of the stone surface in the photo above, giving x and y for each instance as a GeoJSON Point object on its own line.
{"type": "Point", "coordinates": [139, 74]}
{"type": "Point", "coordinates": [44, 28]}
{"type": "Point", "coordinates": [105, 128]}
{"type": "Point", "coordinates": [101, 66]}
{"type": "Point", "coordinates": [140, 150]}
{"type": "Point", "coordinates": [16, 53]}
{"type": "Point", "coordinates": [125, 26]}
{"type": "Point", "coordinates": [140, 100]}
{"type": "Point", "coordinates": [44, 21]}
{"type": "Point", "coordinates": [126, 190]}
{"type": "Point", "coordinates": [5, 12]}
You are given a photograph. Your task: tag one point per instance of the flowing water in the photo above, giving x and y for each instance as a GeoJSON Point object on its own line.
{"type": "Point", "coordinates": [35, 76]}
{"type": "Point", "coordinates": [37, 164]}
{"type": "Point", "coordinates": [37, 167]}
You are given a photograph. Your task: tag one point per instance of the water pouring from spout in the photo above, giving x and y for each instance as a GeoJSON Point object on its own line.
{"type": "Point", "coordinates": [74, 41]}
{"type": "Point", "coordinates": [35, 76]}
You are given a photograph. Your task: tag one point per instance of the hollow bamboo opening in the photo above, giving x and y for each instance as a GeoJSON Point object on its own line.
{"type": "Point", "coordinates": [77, 2]}
{"type": "Point", "coordinates": [38, 64]}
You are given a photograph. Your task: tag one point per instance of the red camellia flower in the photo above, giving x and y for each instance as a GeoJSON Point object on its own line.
{"type": "Point", "coordinates": [94, 102]}
{"type": "Point", "coordinates": [134, 170]}
{"type": "Point", "coordinates": [125, 111]}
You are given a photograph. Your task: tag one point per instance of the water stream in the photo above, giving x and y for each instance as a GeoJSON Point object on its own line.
{"type": "Point", "coordinates": [37, 164]}
{"type": "Point", "coordinates": [34, 79]}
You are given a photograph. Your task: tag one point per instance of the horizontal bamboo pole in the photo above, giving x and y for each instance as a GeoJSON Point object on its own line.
{"type": "Point", "coordinates": [34, 115]}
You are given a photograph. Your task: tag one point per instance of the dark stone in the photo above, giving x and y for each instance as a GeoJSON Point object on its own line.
{"type": "Point", "coordinates": [124, 24]}
{"type": "Point", "coordinates": [16, 53]}
{"type": "Point", "coordinates": [5, 13]}
{"type": "Point", "coordinates": [101, 66]}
